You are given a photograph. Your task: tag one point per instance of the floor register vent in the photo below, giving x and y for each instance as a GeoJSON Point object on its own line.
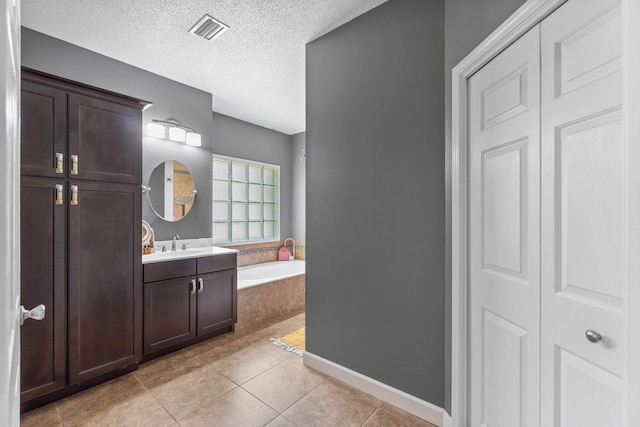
{"type": "Point", "coordinates": [209, 28]}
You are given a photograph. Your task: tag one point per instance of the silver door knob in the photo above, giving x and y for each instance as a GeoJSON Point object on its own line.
{"type": "Point", "coordinates": [36, 313]}
{"type": "Point", "coordinates": [593, 336]}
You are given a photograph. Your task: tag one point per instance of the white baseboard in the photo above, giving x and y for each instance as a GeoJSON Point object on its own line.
{"type": "Point", "coordinates": [446, 419]}
{"type": "Point", "coordinates": [418, 407]}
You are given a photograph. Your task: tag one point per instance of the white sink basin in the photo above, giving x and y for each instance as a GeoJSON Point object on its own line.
{"type": "Point", "coordinates": [189, 253]}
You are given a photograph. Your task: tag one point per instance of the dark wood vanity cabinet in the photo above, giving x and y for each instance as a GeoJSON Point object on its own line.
{"type": "Point", "coordinates": [43, 237]}
{"type": "Point", "coordinates": [169, 304]}
{"type": "Point", "coordinates": [74, 131]}
{"type": "Point", "coordinates": [80, 236]}
{"type": "Point", "coordinates": [188, 300]}
{"type": "Point", "coordinates": [100, 135]}
{"type": "Point", "coordinates": [104, 279]}
{"type": "Point", "coordinates": [43, 139]}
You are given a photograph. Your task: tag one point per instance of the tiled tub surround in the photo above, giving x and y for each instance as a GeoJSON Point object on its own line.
{"type": "Point", "coordinates": [273, 297]}
{"type": "Point", "coordinates": [256, 253]}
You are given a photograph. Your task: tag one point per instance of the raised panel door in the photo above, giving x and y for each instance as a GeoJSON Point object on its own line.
{"type": "Point", "coordinates": [43, 139]}
{"type": "Point", "coordinates": [584, 215]}
{"type": "Point", "coordinates": [504, 238]}
{"type": "Point", "coordinates": [105, 137]}
{"type": "Point", "coordinates": [217, 301]}
{"type": "Point", "coordinates": [43, 281]}
{"type": "Point", "coordinates": [105, 279]}
{"type": "Point", "coordinates": [169, 313]}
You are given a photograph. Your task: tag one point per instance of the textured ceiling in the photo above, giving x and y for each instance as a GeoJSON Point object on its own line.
{"type": "Point", "coordinates": [255, 70]}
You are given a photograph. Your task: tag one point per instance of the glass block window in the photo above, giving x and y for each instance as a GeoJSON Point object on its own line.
{"type": "Point", "coordinates": [245, 200]}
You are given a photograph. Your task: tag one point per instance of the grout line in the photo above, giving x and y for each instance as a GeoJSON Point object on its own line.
{"type": "Point", "coordinates": [154, 397]}
{"type": "Point", "coordinates": [370, 416]}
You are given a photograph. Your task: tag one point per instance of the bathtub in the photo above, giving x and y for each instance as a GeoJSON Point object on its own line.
{"type": "Point", "coordinates": [258, 274]}
{"type": "Point", "coordinates": [268, 290]}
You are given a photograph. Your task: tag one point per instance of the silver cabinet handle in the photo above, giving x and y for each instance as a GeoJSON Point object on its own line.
{"type": "Point", "coordinates": [193, 286]}
{"type": "Point", "coordinates": [74, 195]}
{"type": "Point", "coordinates": [36, 313]}
{"type": "Point", "coordinates": [200, 285]}
{"type": "Point", "coordinates": [59, 194]}
{"type": "Point", "coordinates": [59, 163]}
{"type": "Point", "coordinates": [74, 164]}
{"type": "Point", "coordinates": [593, 336]}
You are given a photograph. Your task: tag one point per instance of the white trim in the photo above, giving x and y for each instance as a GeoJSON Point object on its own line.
{"type": "Point", "coordinates": [418, 407]}
{"type": "Point", "coordinates": [525, 18]}
{"type": "Point", "coordinates": [446, 420]}
{"type": "Point", "coordinates": [10, 215]}
{"type": "Point", "coordinates": [631, 112]}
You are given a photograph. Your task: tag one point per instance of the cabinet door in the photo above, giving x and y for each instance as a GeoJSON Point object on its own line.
{"type": "Point", "coordinates": [43, 130]}
{"type": "Point", "coordinates": [106, 137]}
{"type": "Point", "coordinates": [217, 301]}
{"type": "Point", "coordinates": [169, 313]}
{"type": "Point", "coordinates": [105, 279]}
{"type": "Point", "coordinates": [42, 281]}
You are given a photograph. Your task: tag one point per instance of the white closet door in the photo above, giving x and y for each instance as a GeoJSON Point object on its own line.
{"type": "Point", "coordinates": [584, 215]}
{"type": "Point", "coordinates": [504, 238]}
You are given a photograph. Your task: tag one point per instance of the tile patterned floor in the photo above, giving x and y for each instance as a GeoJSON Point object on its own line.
{"type": "Point", "coordinates": [237, 379]}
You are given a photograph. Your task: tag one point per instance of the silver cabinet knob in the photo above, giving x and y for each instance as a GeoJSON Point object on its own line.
{"type": "Point", "coordinates": [593, 336]}
{"type": "Point", "coordinates": [36, 313]}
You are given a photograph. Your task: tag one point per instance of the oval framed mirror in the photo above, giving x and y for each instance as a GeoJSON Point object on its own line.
{"type": "Point", "coordinates": [172, 190]}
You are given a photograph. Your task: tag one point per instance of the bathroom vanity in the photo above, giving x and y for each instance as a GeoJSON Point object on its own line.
{"type": "Point", "coordinates": [188, 296]}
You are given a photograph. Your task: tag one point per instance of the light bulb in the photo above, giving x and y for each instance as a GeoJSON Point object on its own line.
{"type": "Point", "coordinates": [194, 139]}
{"type": "Point", "coordinates": [155, 130]}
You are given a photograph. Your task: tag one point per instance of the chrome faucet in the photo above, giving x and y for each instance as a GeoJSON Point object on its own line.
{"type": "Point", "coordinates": [173, 244]}
{"type": "Point", "coordinates": [294, 246]}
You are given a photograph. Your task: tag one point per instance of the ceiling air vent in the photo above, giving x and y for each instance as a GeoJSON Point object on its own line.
{"type": "Point", "coordinates": [209, 28]}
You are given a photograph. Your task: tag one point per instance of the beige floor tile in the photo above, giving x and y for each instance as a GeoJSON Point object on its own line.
{"type": "Point", "coordinates": [46, 416]}
{"type": "Point", "coordinates": [188, 392]}
{"type": "Point", "coordinates": [382, 418]}
{"type": "Point", "coordinates": [282, 385]}
{"type": "Point", "coordinates": [123, 401]}
{"type": "Point", "coordinates": [281, 422]}
{"type": "Point", "coordinates": [406, 416]}
{"type": "Point", "coordinates": [355, 393]}
{"type": "Point", "coordinates": [205, 384]}
{"type": "Point", "coordinates": [236, 408]}
{"type": "Point", "coordinates": [329, 406]}
{"type": "Point", "coordinates": [167, 368]}
{"type": "Point", "coordinates": [240, 367]}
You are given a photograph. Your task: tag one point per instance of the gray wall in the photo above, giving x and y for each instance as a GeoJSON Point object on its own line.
{"type": "Point", "coordinates": [236, 138]}
{"type": "Point", "coordinates": [190, 106]}
{"type": "Point", "coordinates": [375, 196]}
{"type": "Point", "coordinates": [298, 182]}
{"type": "Point", "coordinates": [467, 24]}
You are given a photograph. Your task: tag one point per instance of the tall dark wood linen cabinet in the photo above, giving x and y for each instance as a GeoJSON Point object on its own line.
{"type": "Point", "coordinates": [81, 170]}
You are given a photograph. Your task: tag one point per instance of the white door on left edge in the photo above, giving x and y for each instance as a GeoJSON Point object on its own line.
{"type": "Point", "coordinates": [504, 238]}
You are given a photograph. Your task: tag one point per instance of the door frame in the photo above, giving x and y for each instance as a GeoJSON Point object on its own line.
{"type": "Point", "coordinates": [525, 18]}
{"type": "Point", "coordinates": [10, 58]}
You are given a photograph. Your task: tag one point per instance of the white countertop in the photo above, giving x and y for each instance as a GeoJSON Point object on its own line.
{"type": "Point", "coordinates": [189, 253]}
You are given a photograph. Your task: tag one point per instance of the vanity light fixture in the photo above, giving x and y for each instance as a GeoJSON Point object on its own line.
{"type": "Point", "coordinates": [156, 130]}
{"type": "Point", "coordinates": [177, 134]}
{"type": "Point", "coordinates": [194, 139]}
{"type": "Point", "coordinates": [174, 131]}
